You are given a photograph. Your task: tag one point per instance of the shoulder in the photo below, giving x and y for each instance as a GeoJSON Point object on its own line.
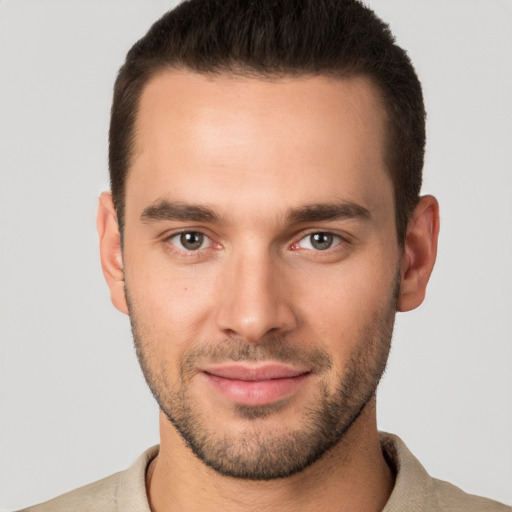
{"type": "Point", "coordinates": [453, 499]}
{"type": "Point", "coordinates": [98, 495]}
{"type": "Point", "coordinates": [416, 490]}
{"type": "Point", "coordinates": [122, 491]}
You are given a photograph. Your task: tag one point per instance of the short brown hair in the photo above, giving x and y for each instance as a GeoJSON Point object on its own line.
{"type": "Point", "coordinates": [340, 38]}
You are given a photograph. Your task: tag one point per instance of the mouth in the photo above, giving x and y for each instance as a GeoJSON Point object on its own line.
{"type": "Point", "coordinates": [255, 384]}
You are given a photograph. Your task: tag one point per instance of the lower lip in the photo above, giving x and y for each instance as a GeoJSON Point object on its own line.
{"type": "Point", "coordinates": [259, 392]}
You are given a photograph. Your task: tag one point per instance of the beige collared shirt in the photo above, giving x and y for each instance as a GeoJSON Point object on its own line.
{"type": "Point", "coordinates": [414, 491]}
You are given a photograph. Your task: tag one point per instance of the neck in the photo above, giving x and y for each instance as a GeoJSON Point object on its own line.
{"type": "Point", "coordinates": [353, 475]}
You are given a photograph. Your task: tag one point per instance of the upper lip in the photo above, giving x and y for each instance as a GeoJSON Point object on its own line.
{"type": "Point", "coordinates": [260, 372]}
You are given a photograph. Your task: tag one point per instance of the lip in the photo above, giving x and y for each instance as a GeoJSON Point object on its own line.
{"type": "Point", "coordinates": [255, 384]}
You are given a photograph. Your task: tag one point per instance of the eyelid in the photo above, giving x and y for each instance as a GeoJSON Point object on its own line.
{"type": "Point", "coordinates": [169, 238]}
{"type": "Point", "coordinates": [339, 240]}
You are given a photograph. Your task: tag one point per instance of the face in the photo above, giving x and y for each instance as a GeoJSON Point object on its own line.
{"type": "Point", "coordinates": [261, 263]}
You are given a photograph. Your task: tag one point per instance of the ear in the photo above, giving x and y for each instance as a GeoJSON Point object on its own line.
{"type": "Point", "coordinates": [110, 251]}
{"type": "Point", "coordinates": [419, 253]}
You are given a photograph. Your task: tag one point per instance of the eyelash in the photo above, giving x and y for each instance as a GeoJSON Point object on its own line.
{"type": "Point", "coordinates": [184, 250]}
{"type": "Point", "coordinates": [335, 241]}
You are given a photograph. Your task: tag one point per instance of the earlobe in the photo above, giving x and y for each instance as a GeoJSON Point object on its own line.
{"type": "Point", "coordinates": [419, 253]}
{"type": "Point", "coordinates": [111, 251]}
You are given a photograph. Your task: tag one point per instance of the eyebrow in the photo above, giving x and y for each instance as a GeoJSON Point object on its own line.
{"type": "Point", "coordinates": [328, 211]}
{"type": "Point", "coordinates": [165, 210]}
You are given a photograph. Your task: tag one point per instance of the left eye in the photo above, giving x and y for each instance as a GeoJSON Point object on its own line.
{"type": "Point", "coordinates": [320, 241]}
{"type": "Point", "coordinates": [190, 240]}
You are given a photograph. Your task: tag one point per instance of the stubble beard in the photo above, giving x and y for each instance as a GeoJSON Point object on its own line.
{"type": "Point", "coordinates": [257, 452]}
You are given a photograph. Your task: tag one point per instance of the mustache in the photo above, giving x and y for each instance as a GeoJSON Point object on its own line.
{"type": "Point", "coordinates": [274, 348]}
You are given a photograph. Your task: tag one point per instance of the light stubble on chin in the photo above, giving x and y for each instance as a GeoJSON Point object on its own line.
{"type": "Point", "coordinates": [257, 452]}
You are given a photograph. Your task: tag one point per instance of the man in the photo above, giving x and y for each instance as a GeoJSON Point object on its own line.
{"type": "Point", "coordinates": [264, 227]}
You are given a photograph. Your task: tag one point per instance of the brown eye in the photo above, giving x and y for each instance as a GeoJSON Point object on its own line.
{"type": "Point", "coordinates": [190, 240]}
{"type": "Point", "coordinates": [320, 241]}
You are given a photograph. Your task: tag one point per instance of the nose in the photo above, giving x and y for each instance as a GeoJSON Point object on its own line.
{"type": "Point", "coordinates": [254, 301]}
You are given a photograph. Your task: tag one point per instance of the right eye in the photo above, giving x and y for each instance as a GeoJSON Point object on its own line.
{"type": "Point", "coordinates": [190, 240]}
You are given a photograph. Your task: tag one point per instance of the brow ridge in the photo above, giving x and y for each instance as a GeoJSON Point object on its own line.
{"type": "Point", "coordinates": [328, 212]}
{"type": "Point", "coordinates": [167, 210]}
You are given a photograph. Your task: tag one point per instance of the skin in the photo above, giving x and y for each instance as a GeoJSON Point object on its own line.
{"type": "Point", "coordinates": [253, 152]}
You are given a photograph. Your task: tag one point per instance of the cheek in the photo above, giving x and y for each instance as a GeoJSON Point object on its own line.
{"type": "Point", "coordinates": [338, 303]}
{"type": "Point", "coordinates": [167, 313]}
{"type": "Point", "coordinates": [170, 304]}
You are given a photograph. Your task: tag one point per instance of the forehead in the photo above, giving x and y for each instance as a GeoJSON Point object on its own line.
{"type": "Point", "coordinates": [196, 134]}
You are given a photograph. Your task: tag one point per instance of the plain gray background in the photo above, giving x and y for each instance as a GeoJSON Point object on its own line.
{"type": "Point", "coordinates": [73, 404]}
